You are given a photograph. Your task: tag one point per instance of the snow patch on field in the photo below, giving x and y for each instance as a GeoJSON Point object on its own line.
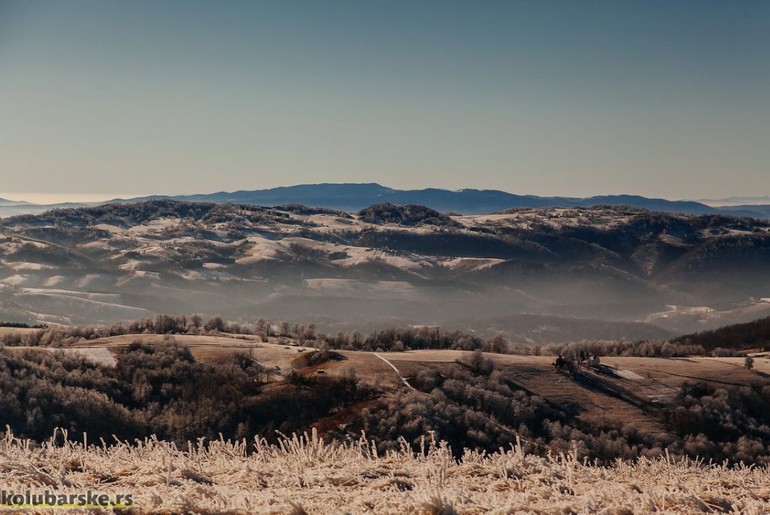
{"type": "Point", "coordinates": [130, 265]}
{"type": "Point", "coordinates": [627, 374]}
{"type": "Point", "coordinates": [469, 264]}
{"type": "Point", "coordinates": [23, 265]}
{"type": "Point", "coordinates": [15, 280]}
{"type": "Point", "coordinates": [265, 249]}
{"type": "Point", "coordinates": [53, 281]}
{"type": "Point", "coordinates": [362, 255]}
{"type": "Point", "coordinates": [329, 223]}
{"type": "Point", "coordinates": [680, 310]}
{"type": "Point", "coordinates": [557, 218]}
{"type": "Point", "coordinates": [87, 280]}
{"type": "Point", "coordinates": [261, 249]}
{"type": "Point", "coordinates": [37, 244]}
{"type": "Point", "coordinates": [154, 226]}
{"type": "Point", "coordinates": [112, 229]}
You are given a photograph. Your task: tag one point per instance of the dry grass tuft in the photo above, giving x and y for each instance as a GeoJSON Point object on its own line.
{"type": "Point", "coordinates": [305, 475]}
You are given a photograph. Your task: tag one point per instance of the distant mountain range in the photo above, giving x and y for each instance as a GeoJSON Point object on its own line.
{"type": "Point", "coordinates": [539, 275]}
{"type": "Point", "coordinates": [354, 197]}
{"type": "Point", "coordinates": [754, 211]}
{"type": "Point", "coordinates": [6, 202]}
{"type": "Point", "coordinates": [10, 208]}
{"type": "Point", "coordinates": [735, 201]}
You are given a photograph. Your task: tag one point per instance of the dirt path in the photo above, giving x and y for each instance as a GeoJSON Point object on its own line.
{"type": "Point", "coordinates": [397, 371]}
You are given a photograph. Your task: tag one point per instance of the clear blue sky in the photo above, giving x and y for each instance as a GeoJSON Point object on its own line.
{"type": "Point", "coordinates": [660, 98]}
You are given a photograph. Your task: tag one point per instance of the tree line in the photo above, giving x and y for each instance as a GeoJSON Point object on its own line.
{"type": "Point", "coordinates": [727, 342]}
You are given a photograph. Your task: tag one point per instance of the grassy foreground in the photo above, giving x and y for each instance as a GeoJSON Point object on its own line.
{"type": "Point", "coordinates": [305, 475]}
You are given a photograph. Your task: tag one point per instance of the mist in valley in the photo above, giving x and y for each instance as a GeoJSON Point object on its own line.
{"type": "Point", "coordinates": [532, 275]}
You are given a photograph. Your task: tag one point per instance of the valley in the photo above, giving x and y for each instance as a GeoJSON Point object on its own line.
{"type": "Point", "coordinates": [534, 275]}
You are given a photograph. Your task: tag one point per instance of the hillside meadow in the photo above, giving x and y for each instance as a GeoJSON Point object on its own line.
{"type": "Point", "coordinates": [197, 422]}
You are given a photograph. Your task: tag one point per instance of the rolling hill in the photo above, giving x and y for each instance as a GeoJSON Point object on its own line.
{"type": "Point", "coordinates": [649, 411]}
{"type": "Point", "coordinates": [609, 271]}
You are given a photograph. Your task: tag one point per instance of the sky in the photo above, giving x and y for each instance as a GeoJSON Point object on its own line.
{"type": "Point", "coordinates": [659, 98]}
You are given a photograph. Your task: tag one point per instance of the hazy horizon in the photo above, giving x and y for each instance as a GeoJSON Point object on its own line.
{"type": "Point", "coordinates": [44, 198]}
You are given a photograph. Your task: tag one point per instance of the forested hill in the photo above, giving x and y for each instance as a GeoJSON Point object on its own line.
{"type": "Point", "coordinates": [612, 271]}
{"type": "Point", "coordinates": [751, 335]}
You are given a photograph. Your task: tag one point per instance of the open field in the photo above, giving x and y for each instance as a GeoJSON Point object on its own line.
{"type": "Point", "coordinates": [652, 379]}
{"type": "Point", "coordinates": [277, 353]}
{"type": "Point", "coordinates": [304, 475]}
{"type": "Point", "coordinates": [631, 389]}
{"type": "Point", "coordinates": [627, 389]}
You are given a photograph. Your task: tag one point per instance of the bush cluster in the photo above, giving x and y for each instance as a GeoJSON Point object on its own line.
{"type": "Point", "coordinates": [162, 390]}
{"type": "Point", "coordinates": [474, 407]}
{"type": "Point", "coordinates": [730, 423]}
